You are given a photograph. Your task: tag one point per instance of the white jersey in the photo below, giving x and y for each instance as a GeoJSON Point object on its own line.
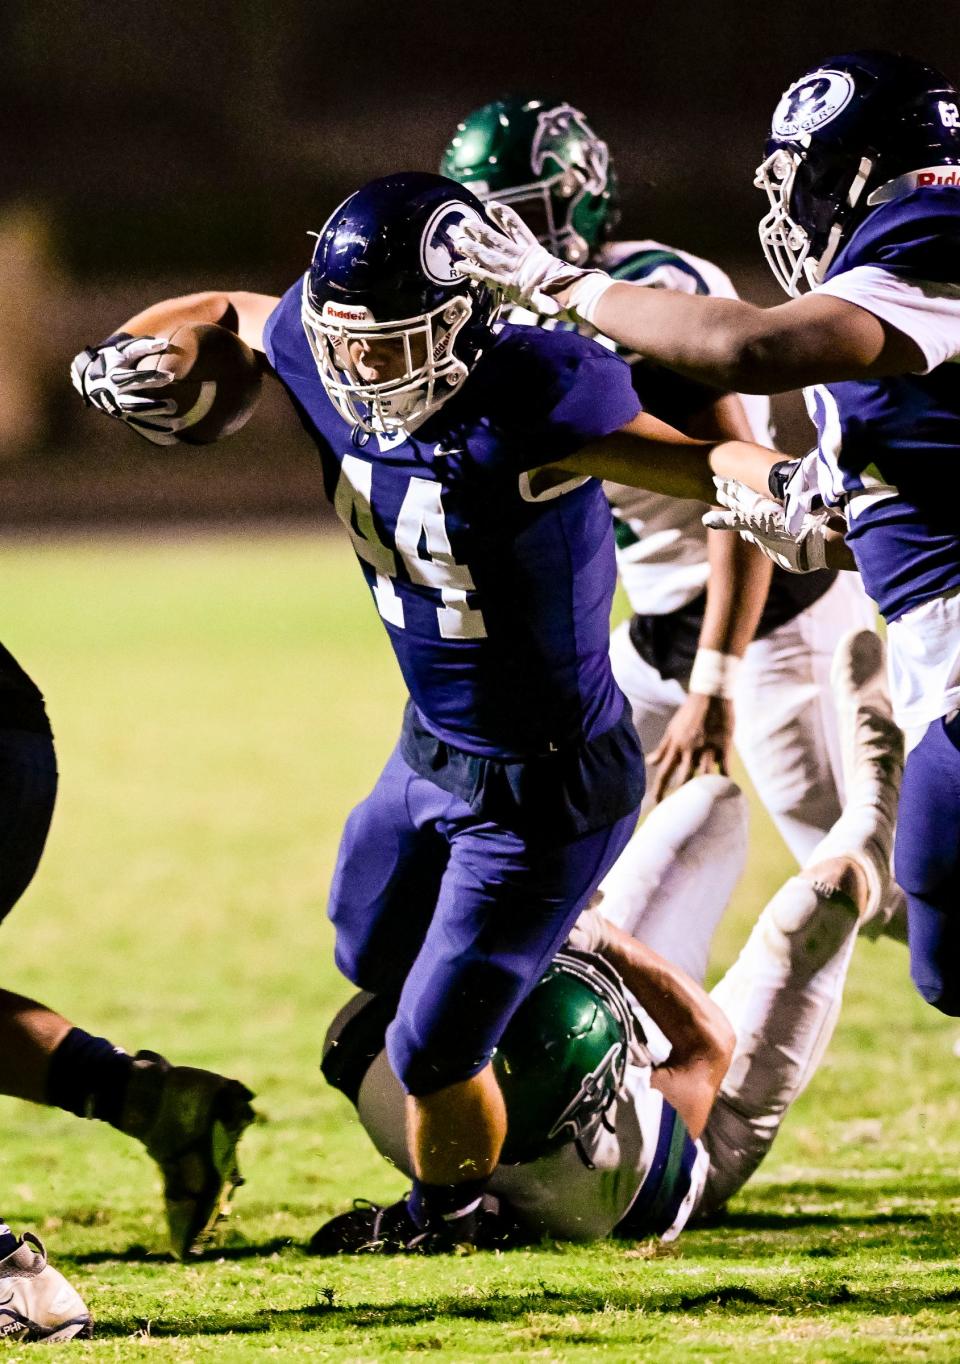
{"type": "Point", "coordinates": [637, 1157]}
{"type": "Point", "coordinates": [661, 541]}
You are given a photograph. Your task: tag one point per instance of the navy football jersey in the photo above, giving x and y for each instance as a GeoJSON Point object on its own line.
{"type": "Point", "coordinates": [496, 597]}
{"type": "Point", "coordinates": [890, 448]}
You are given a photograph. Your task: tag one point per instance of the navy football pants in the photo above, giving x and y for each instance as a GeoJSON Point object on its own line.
{"type": "Point", "coordinates": [455, 916]}
{"type": "Point", "coordinates": [28, 790]}
{"type": "Point", "coordinates": [928, 862]}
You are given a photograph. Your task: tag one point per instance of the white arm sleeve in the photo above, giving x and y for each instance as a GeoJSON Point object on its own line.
{"type": "Point", "coordinates": [929, 313]}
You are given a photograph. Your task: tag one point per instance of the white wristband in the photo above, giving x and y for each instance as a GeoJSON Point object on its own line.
{"type": "Point", "coordinates": [713, 673]}
{"type": "Point", "coordinates": [587, 292]}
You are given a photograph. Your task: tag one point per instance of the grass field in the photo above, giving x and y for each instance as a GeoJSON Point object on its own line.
{"type": "Point", "coordinates": [220, 702]}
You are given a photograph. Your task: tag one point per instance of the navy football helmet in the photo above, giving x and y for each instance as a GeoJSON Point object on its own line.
{"type": "Point", "coordinates": [854, 132]}
{"type": "Point", "coordinates": [383, 274]}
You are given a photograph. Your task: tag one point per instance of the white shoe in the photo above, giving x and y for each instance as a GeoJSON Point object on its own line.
{"type": "Point", "coordinates": [872, 753]}
{"type": "Point", "coordinates": [36, 1302]}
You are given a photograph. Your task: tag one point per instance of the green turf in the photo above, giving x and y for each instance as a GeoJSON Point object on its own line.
{"type": "Point", "coordinates": [219, 704]}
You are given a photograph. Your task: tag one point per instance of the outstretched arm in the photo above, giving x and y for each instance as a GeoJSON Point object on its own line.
{"type": "Point", "coordinates": [151, 398]}
{"type": "Point", "coordinates": [726, 342]}
{"type": "Point", "coordinates": [647, 453]}
{"type": "Point", "coordinates": [700, 734]}
{"type": "Point", "coordinates": [814, 339]}
{"type": "Point", "coordinates": [239, 311]}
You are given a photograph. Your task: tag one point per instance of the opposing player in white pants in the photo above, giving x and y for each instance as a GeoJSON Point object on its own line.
{"type": "Point", "coordinates": [705, 1081]}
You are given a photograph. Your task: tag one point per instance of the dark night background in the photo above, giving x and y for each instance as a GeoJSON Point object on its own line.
{"type": "Point", "coordinates": [153, 148]}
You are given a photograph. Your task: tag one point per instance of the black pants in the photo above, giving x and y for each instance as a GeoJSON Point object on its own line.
{"type": "Point", "coordinates": [28, 791]}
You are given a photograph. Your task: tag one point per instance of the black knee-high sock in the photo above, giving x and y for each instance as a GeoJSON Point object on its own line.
{"type": "Point", "coordinates": [88, 1076]}
{"type": "Point", "coordinates": [454, 1206]}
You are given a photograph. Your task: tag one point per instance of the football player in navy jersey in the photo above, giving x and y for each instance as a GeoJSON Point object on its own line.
{"type": "Point", "coordinates": [460, 460]}
{"type": "Point", "coordinates": [189, 1120]}
{"type": "Point", "coordinates": [712, 625]}
{"type": "Point", "coordinates": [861, 173]}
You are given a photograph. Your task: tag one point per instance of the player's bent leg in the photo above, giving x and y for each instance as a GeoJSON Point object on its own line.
{"type": "Point", "coordinates": [928, 863]}
{"type": "Point", "coordinates": [671, 884]}
{"type": "Point", "coordinates": [783, 993]}
{"type": "Point", "coordinates": [387, 877]}
{"type": "Point", "coordinates": [505, 906]}
{"type": "Point", "coordinates": [782, 996]}
{"type": "Point", "coordinates": [29, 1035]}
{"type": "Point", "coordinates": [786, 731]}
{"type": "Point", "coordinates": [36, 1301]}
{"type": "Point", "coordinates": [190, 1121]}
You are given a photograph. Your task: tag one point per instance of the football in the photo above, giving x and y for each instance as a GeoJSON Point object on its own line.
{"type": "Point", "coordinates": [218, 380]}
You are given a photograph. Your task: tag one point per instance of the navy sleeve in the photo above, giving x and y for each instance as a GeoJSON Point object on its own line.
{"type": "Point", "coordinates": [916, 237]}
{"type": "Point", "coordinates": [284, 340]}
{"type": "Point", "coordinates": [559, 392]}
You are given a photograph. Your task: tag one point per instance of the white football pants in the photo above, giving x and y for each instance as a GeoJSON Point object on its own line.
{"type": "Point", "coordinates": [786, 731]}
{"type": "Point", "coordinates": [782, 995]}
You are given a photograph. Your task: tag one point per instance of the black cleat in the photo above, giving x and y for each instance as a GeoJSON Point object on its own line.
{"type": "Point", "coordinates": [191, 1122]}
{"type": "Point", "coordinates": [369, 1229]}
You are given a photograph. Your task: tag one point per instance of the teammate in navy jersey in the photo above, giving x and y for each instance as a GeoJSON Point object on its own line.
{"type": "Point", "coordinates": [861, 175]}
{"type": "Point", "coordinates": [189, 1120]}
{"type": "Point", "coordinates": [460, 460]}
{"type": "Point", "coordinates": [717, 635]}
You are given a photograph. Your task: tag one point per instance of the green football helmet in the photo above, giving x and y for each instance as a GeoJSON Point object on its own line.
{"type": "Point", "coordinates": [542, 157]}
{"type": "Point", "coordinates": [563, 1056]}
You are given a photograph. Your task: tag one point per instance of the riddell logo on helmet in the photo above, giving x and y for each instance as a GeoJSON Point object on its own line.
{"type": "Point", "coordinates": [924, 178]}
{"type": "Point", "coordinates": [937, 177]}
{"type": "Point", "coordinates": [339, 312]}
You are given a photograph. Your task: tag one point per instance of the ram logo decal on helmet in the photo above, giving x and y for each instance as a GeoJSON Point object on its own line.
{"type": "Point", "coordinates": [555, 129]}
{"type": "Point", "coordinates": [592, 1096]}
{"type": "Point", "coordinates": [812, 102]}
{"type": "Point", "coordinates": [438, 255]}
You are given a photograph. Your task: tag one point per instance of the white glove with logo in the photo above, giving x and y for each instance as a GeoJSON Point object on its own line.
{"type": "Point", "coordinates": [801, 490]}
{"type": "Point", "coordinates": [761, 521]}
{"type": "Point", "coordinates": [513, 261]}
{"type": "Point", "coordinates": [589, 933]}
{"type": "Point", "coordinates": [106, 377]}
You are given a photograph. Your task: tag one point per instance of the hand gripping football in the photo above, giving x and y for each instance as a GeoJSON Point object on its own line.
{"type": "Point", "coordinates": [215, 381]}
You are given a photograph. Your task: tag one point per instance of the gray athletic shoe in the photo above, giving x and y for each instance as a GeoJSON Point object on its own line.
{"type": "Point", "coordinates": [191, 1122]}
{"type": "Point", "coordinates": [36, 1302]}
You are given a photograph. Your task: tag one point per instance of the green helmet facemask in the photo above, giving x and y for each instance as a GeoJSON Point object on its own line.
{"type": "Point", "coordinates": [563, 1056]}
{"type": "Point", "coordinates": [542, 157]}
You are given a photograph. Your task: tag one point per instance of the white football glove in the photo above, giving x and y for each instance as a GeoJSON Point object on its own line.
{"type": "Point", "coordinates": [513, 261]}
{"type": "Point", "coordinates": [106, 377]}
{"type": "Point", "coordinates": [761, 521]}
{"type": "Point", "coordinates": [589, 933]}
{"type": "Point", "coordinates": [801, 493]}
